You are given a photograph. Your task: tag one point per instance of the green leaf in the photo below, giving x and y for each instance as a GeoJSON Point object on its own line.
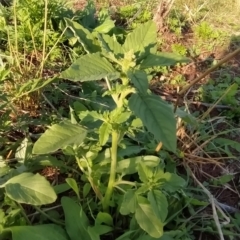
{"type": "Point", "coordinates": [162, 59]}
{"type": "Point", "coordinates": [30, 189]}
{"type": "Point", "coordinates": [147, 219]}
{"type": "Point", "coordinates": [83, 36]}
{"type": "Point", "coordinates": [126, 236]}
{"type": "Point", "coordinates": [104, 132]}
{"type": "Point", "coordinates": [172, 182]}
{"type": "Point", "coordinates": [157, 116]}
{"type": "Point", "coordinates": [90, 67]}
{"type": "Point", "coordinates": [61, 188]}
{"type": "Point", "coordinates": [144, 172]}
{"type": "Point", "coordinates": [129, 202]}
{"type": "Point", "coordinates": [94, 235]}
{"type": "Point", "coordinates": [110, 44]}
{"type": "Point", "coordinates": [159, 203]}
{"type": "Point", "coordinates": [86, 189]}
{"type": "Point", "coordinates": [130, 165]}
{"type": "Point", "coordinates": [139, 80]}
{"type": "Point", "coordinates": [41, 232]}
{"type": "Point", "coordinates": [73, 184]}
{"type": "Point", "coordinates": [76, 220]}
{"type": "Point", "coordinates": [224, 142]}
{"type": "Point", "coordinates": [23, 151]}
{"type": "Point", "coordinates": [141, 37]}
{"type": "Point", "coordinates": [59, 136]}
{"type": "Point", "coordinates": [97, 230]}
{"type": "Point", "coordinates": [104, 218]}
{"type": "Point", "coordinates": [186, 117]}
{"type": "Point", "coordinates": [105, 27]}
{"type": "Point", "coordinates": [119, 115]}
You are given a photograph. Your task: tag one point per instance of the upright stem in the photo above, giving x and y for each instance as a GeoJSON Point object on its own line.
{"type": "Point", "coordinates": [44, 36]}
{"type": "Point", "coordinates": [112, 178]}
{"type": "Point", "coordinates": [24, 214]}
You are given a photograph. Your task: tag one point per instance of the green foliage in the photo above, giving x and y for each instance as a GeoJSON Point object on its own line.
{"type": "Point", "coordinates": [131, 99]}
{"type": "Point", "coordinates": [176, 22]}
{"type": "Point", "coordinates": [29, 28]}
{"type": "Point", "coordinates": [135, 14]}
{"type": "Point", "coordinates": [99, 151]}
{"type": "Point", "coordinates": [225, 90]}
{"type": "Point", "coordinates": [179, 49]}
{"type": "Point", "coordinates": [205, 32]}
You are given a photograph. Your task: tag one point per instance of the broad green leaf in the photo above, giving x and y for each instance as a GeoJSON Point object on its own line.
{"type": "Point", "coordinates": [61, 188]}
{"type": "Point", "coordinates": [104, 132]}
{"type": "Point", "coordinates": [159, 203]}
{"type": "Point", "coordinates": [92, 231]}
{"type": "Point", "coordinates": [103, 217]}
{"type": "Point", "coordinates": [105, 27]}
{"type": "Point", "coordinates": [4, 170]}
{"type": "Point", "coordinates": [97, 230]}
{"type": "Point", "coordinates": [110, 44]}
{"type": "Point", "coordinates": [162, 59]}
{"type": "Point", "coordinates": [43, 160]}
{"type": "Point", "coordinates": [30, 189]}
{"type": "Point", "coordinates": [23, 151]}
{"type": "Point", "coordinates": [147, 218]}
{"type": "Point", "coordinates": [130, 165]}
{"type": "Point", "coordinates": [90, 67]}
{"type": "Point", "coordinates": [76, 220]}
{"type": "Point", "coordinates": [129, 202]}
{"type": "Point", "coordinates": [126, 236]}
{"type": "Point", "coordinates": [130, 150]}
{"type": "Point", "coordinates": [86, 189]}
{"type": "Point", "coordinates": [39, 232]}
{"type": "Point", "coordinates": [144, 172]}
{"type": "Point", "coordinates": [141, 37]}
{"type": "Point", "coordinates": [172, 182]}
{"type": "Point", "coordinates": [59, 136]}
{"type": "Point", "coordinates": [139, 80]}
{"type": "Point", "coordinates": [83, 36]}
{"type": "Point", "coordinates": [73, 184]}
{"type": "Point", "coordinates": [157, 116]}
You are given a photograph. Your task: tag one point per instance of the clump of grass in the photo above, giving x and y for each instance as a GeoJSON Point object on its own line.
{"type": "Point", "coordinates": [31, 40]}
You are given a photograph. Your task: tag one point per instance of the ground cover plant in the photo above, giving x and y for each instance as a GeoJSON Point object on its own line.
{"type": "Point", "coordinates": [117, 123]}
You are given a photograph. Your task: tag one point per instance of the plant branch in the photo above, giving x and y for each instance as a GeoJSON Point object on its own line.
{"type": "Point", "coordinates": [48, 217]}
{"type": "Point", "coordinates": [214, 204]}
{"type": "Point", "coordinates": [24, 214]}
{"type": "Point", "coordinates": [112, 178]}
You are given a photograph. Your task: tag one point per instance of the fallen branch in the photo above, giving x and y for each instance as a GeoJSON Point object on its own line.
{"type": "Point", "coordinates": [215, 205]}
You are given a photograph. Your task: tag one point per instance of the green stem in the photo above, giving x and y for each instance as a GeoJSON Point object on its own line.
{"type": "Point", "coordinates": [49, 217]}
{"type": "Point", "coordinates": [112, 177]}
{"type": "Point", "coordinates": [24, 214]}
{"type": "Point", "coordinates": [44, 36]}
